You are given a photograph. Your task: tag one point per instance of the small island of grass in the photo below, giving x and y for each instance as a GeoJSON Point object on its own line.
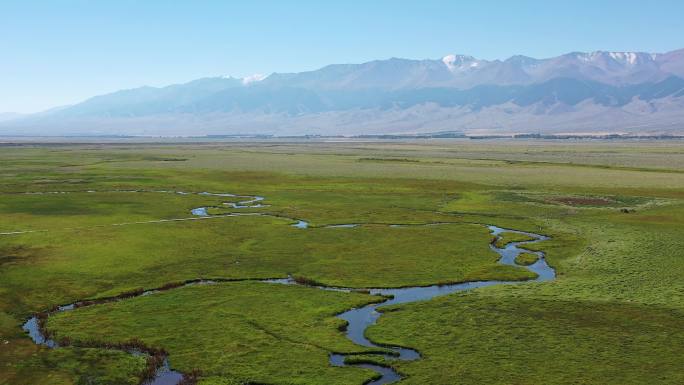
{"type": "Point", "coordinates": [526, 259]}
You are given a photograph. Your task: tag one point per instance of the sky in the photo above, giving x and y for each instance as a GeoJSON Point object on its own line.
{"type": "Point", "coordinates": [60, 52]}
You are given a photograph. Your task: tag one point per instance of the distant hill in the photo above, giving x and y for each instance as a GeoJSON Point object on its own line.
{"type": "Point", "coordinates": [598, 92]}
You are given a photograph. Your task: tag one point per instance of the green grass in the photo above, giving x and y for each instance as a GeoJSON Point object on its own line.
{"type": "Point", "coordinates": [537, 340]}
{"type": "Point", "coordinates": [225, 330]}
{"type": "Point", "coordinates": [69, 366]}
{"type": "Point", "coordinates": [614, 315]}
{"type": "Point", "coordinates": [526, 259]}
{"type": "Point", "coordinates": [109, 260]}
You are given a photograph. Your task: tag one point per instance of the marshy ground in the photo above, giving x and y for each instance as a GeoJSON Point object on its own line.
{"type": "Point", "coordinates": [615, 211]}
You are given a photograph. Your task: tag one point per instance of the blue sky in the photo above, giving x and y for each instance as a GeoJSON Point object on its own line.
{"type": "Point", "coordinates": [63, 51]}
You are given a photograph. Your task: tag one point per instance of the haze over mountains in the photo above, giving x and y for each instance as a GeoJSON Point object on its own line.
{"type": "Point", "coordinates": [598, 92]}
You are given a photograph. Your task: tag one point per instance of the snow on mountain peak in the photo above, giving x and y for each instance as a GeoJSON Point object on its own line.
{"type": "Point", "coordinates": [253, 78]}
{"type": "Point", "coordinates": [629, 57]}
{"type": "Point", "coordinates": [449, 60]}
{"type": "Point", "coordinates": [455, 62]}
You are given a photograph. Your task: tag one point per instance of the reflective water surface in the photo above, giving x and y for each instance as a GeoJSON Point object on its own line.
{"type": "Point", "coordinates": [358, 320]}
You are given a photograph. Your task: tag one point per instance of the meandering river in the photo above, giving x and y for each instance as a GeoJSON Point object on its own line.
{"type": "Point", "coordinates": [358, 320]}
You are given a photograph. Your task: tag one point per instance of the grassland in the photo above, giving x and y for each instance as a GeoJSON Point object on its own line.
{"type": "Point", "coordinates": [232, 334]}
{"type": "Point", "coordinates": [614, 315]}
{"type": "Point", "coordinates": [526, 259]}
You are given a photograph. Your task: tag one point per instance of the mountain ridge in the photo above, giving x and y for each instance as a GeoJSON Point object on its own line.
{"type": "Point", "coordinates": [616, 88]}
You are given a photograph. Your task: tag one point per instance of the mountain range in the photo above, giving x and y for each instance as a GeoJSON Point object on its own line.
{"type": "Point", "coordinates": [597, 92]}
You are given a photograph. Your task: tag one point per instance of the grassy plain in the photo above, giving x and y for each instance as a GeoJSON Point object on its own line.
{"type": "Point", "coordinates": [236, 329]}
{"type": "Point", "coordinates": [614, 315]}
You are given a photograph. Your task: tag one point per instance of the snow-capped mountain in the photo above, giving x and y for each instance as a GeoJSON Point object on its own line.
{"type": "Point", "coordinates": [461, 71]}
{"type": "Point", "coordinates": [596, 91]}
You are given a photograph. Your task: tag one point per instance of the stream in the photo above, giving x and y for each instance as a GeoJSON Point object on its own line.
{"type": "Point", "coordinates": [358, 319]}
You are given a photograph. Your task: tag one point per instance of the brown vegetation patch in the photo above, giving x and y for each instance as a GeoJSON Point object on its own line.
{"type": "Point", "coordinates": [306, 281]}
{"type": "Point", "coordinates": [583, 201]}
